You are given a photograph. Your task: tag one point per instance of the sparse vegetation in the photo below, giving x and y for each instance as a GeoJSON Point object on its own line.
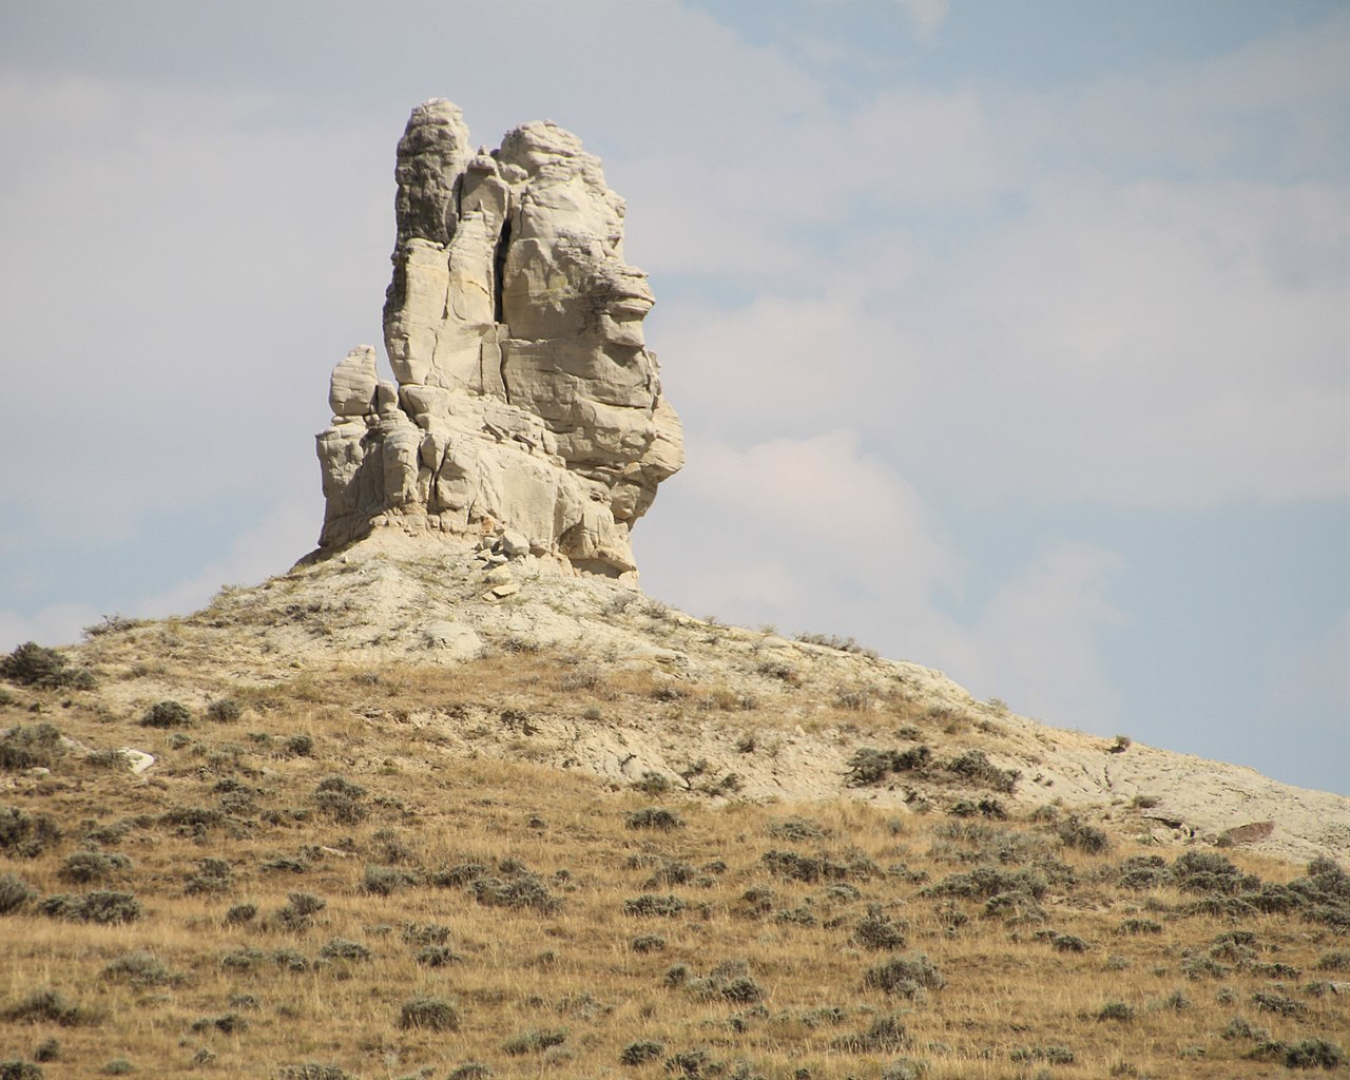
{"type": "Point", "coordinates": [34, 665]}
{"type": "Point", "coordinates": [167, 714]}
{"type": "Point", "coordinates": [391, 861]}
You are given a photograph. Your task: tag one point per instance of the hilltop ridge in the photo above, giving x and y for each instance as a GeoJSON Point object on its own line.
{"type": "Point", "coordinates": [410, 600]}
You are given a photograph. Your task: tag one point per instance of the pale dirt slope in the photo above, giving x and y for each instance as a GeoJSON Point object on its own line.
{"type": "Point", "coordinates": [785, 717]}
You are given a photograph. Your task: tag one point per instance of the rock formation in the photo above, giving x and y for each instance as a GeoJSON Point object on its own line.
{"type": "Point", "coordinates": [526, 398]}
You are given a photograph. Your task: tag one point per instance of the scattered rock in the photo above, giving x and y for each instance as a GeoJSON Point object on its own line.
{"type": "Point", "coordinates": [138, 761]}
{"type": "Point", "coordinates": [457, 641]}
{"type": "Point", "coordinates": [1246, 834]}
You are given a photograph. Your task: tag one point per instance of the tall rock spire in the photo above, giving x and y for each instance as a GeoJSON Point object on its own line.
{"type": "Point", "coordinates": [526, 398]}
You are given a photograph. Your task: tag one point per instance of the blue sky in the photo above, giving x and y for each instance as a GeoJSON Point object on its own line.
{"type": "Point", "coordinates": [1013, 339]}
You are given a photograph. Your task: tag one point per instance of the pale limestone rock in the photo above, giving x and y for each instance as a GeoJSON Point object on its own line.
{"type": "Point", "coordinates": [526, 399]}
{"type": "Point", "coordinates": [454, 640]}
{"type": "Point", "coordinates": [352, 389]}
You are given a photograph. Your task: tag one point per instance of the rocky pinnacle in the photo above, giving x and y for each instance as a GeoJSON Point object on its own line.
{"type": "Point", "coordinates": [526, 398]}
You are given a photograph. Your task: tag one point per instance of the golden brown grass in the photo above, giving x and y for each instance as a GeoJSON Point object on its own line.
{"type": "Point", "coordinates": [1012, 1004]}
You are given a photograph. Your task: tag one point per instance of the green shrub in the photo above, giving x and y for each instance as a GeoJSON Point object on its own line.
{"type": "Point", "coordinates": [1063, 942]}
{"type": "Point", "coordinates": [434, 1014]}
{"type": "Point", "coordinates": [516, 888]}
{"type": "Point", "coordinates": [1140, 872]}
{"type": "Point", "coordinates": [1205, 872]}
{"type": "Point", "coordinates": [118, 1067]}
{"type": "Point", "coordinates": [240, 914]}
{"type": "Point", "coordinates": [879, 932]}
{"type": "Point", "coordinates": [652, 783]}
{"type": "Point", "coordinates": [1055, 1055]}
{"type": "Point", "coordinates": [649, 905]}
{"type": "Point", "coordinates": [1116, 1011]}
{"type": "Point", "coordinates": [886, 1033]}
{"type": "Point", "coordinates": [636, 1053]}
{"type": "Point", "coordinates": [212, 876]}
{"type": "Point", "coordinates": [299, 912]}
{"type": "Point", "coordinates": [385, 880]}
{"type": "Point", "coordinates": [167, 714]}
{"type": "Point", "coordinates": [243, 959]}
{"type": "Point", "coordinates": [1335, 960]}
{"type": "Point", "coordinates": [33, 665]}
{"type": "Point", "coordinates": [905, 977]}
{"type": "Point", "coordinates": [534, 1042]}
{"type": "Point", "coordinates": [314, 1071]}
{"type": "Point", "coordinates": [436, 956]}
{"type": "Point", "coordinates": [870, 766]}
{"type": "Point", "coordinates": [813, 868]}
{"type": "Point", "coordinates": [470, 1070]}
{"type": "Point", "coordinates": [27, 835]}
{"type": "Point", "coordinates": [1084, 837]}
{"type": "Point", "coordinates": [654, 817]}
{"type": "Point", "coordinates": [299, 745]}
{"type": "Point", "coordinates": [138, 969]}
{"type": "Point", "coordinates": [974, 767]}
{"type": "Point", "coordinates": [341, 949]}
{"type": "Point", "coordinates": [14, 1069]}
{"type": "Point", "coordinates": [224, 711]}
{"type": "Point", "coordinates": [797, 828]}
{"type": "Point", "coordinates": [228, 1024]}
{"type": "Point", "coordinates": [87, 867]}
{"type": "Point", "coordinates": [1314, 1054]}
{"type": "Point", "coordinates": [14, 893]}
{"type": "Point", "coordinates": [985, 882]}
{"type": "Point", "coordinates": [1238, 1028]}
{"type": "Point", "coordinates": [102, 906]}
{"type": "Point", "coordinates": [36, 746]}
{"type": "Point", "coordinates": [48, 1007]}
{"type": "Point", "coordinates": [1268, 1001]}
{"type": "Point", "coordinates": [1139, 926]}
{"type": "Point", "coordinates": [426, 933]}
{"type": "Point", "coordinates": [645, 943]}
{"type": "Point", "coordinates": [341, 800]}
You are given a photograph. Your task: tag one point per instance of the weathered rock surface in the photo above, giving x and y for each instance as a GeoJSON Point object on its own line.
{"type": "Point", "coordinates": [526, 399]}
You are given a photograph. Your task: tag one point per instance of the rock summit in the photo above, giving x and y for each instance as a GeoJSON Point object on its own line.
{"type": "Point", "coordinates": [526, 402]}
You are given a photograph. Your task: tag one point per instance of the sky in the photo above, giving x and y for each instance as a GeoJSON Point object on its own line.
{"type": "Point", "coordinates": [1010, 339]}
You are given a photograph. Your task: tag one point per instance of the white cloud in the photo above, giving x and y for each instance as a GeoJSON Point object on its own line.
{"type": "Point", "coordinates": [271, 547]}
{"type": "Point", "coordinates": [1036, 645]}
{"type": "Point", "coordinates": [56, 624]}
{"type": "Point", "coordinates": [1276, 107]}
{"type": "Point", "coordinates": [1308, 684]}
{"type": "Point", "coordinates": [817, 534]}
{"type": "Point", "coordinates": [925, 16]}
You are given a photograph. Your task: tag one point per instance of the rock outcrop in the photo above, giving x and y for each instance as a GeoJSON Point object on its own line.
{"type": "Point", "coordinates": [526, 398]}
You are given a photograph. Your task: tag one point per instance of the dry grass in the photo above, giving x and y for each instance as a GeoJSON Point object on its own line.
{"type": "Point", "coordinates": [775, 977]}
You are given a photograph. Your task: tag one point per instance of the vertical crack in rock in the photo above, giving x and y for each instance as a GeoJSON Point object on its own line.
{"type": "Point", "coordinates": [511, 258]}
{"type": "Point", "coordinates": [499, 268]}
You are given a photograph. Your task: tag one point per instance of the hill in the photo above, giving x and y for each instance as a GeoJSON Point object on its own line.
{"type": "Point", "coordinates": [435, 809]}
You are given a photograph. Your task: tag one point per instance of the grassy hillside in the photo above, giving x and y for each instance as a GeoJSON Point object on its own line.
{"type": "Point", "coordinates": [363, 871]}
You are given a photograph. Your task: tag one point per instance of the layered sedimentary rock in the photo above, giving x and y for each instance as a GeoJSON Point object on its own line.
{"type": "Point", "coordinates": [526, 398]}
